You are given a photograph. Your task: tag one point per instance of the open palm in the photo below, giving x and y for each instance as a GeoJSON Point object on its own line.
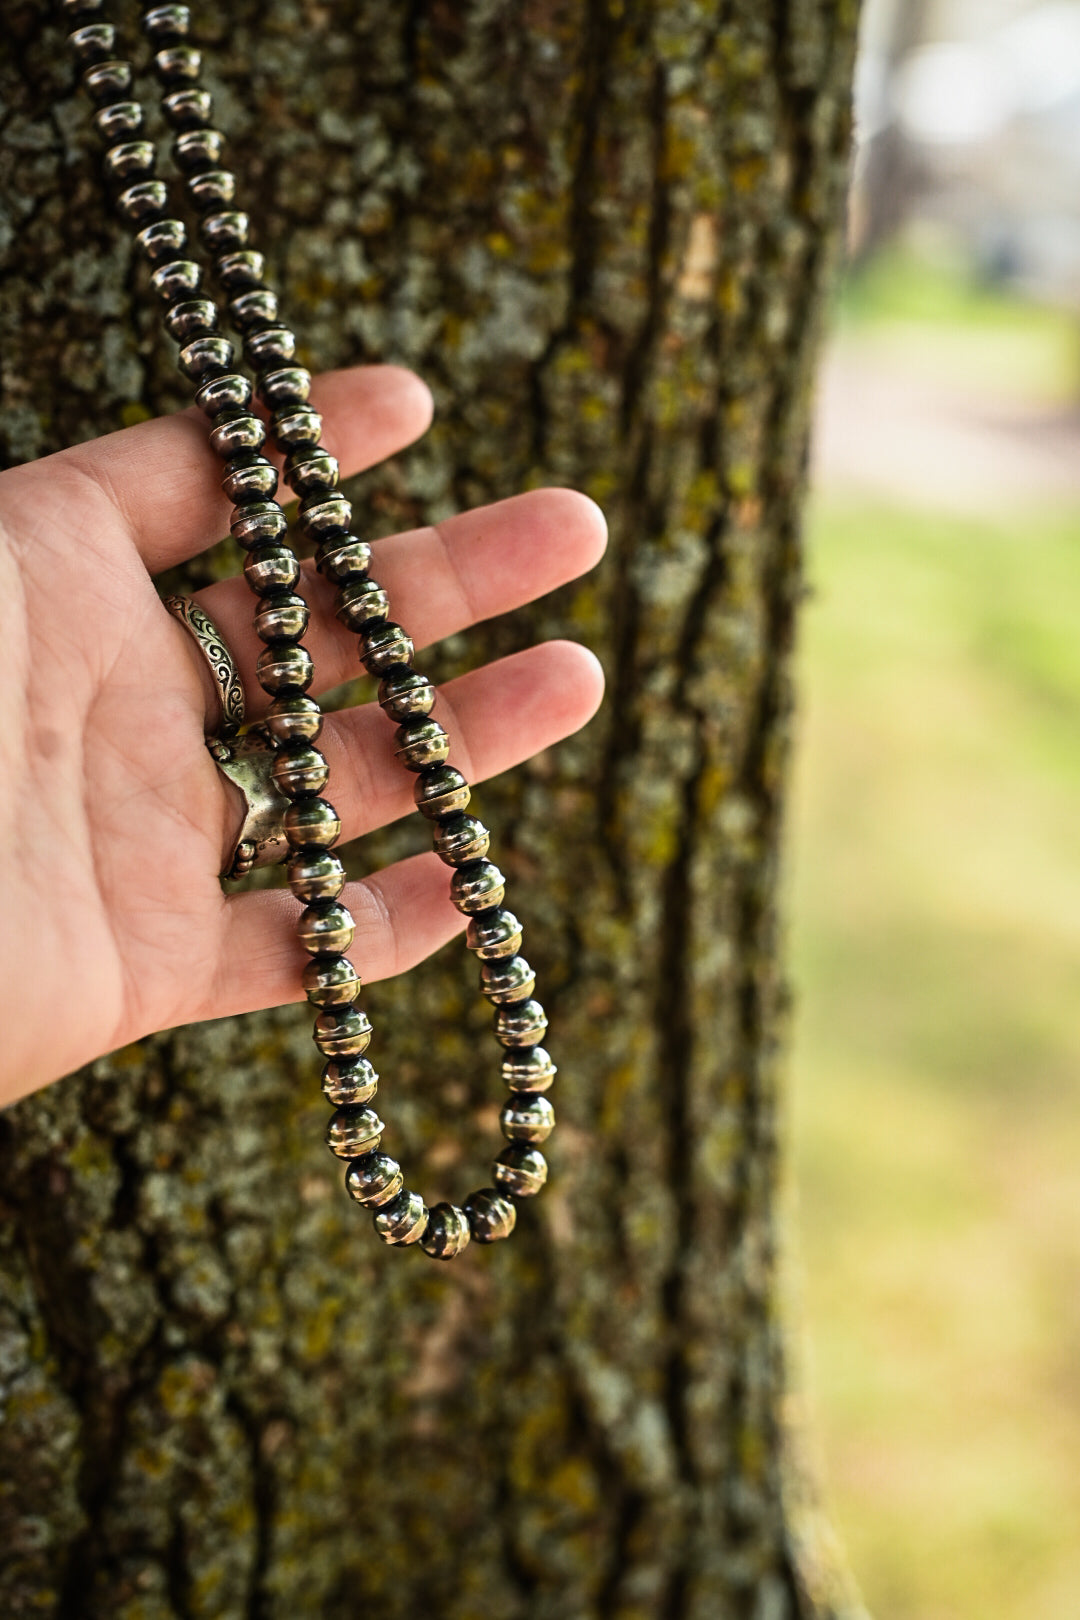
{"type": "Point", "coordinates": [114, 820]}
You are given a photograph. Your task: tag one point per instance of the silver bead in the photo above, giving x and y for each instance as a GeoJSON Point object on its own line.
{"type": "Point", "coordinates": [354, 1131]}
{"type": "Point", "coordinates": [309, 471]}
{"type": "Point", "coordinates": [490, 1215]}
{"type": "Point", "coordinates": [292, 718]}
{"type": "Point", "coordinates": [384, 645]}
{"type": "Point", "coordinates": [421, 743]}
{"type": "Point", "coordinates": [237, 271]}
{"type": "Point", "coordinates": [259, 521]}
{"type": "Point", "coordinates": [130, 160]}
{"type": "Point", "coordinates": [405, 693]}
{"type": "Point", "coordinates": [198, 149]}
{"type": "Point", "coordinates": [520, 1170]}
{"type": "Point", "coordinates": [163, 239]}
{"type": "Point", "coordinates": [271, 568]}
{"type": "Point", "coordinates": [107, 81]}
{"type": "Point", "coordinates": [350, 1083]}
{"type": "Point", "coordinates": [315, 875]}
{"type": "Point", "coordinates": [194, 318]}
{"type": "Point", "coordinates": [361, 602]}
{"type": "Point", "coordinates": [477, 887]}
{"type": "Point", "coordinates": [252, 309]}
{"type": "Point", "coordinates": [374, 1179]}
{"type": "Point", "coordinates": [275, 346]}
{"type": "Point", "coordinates": [440, 790]}
{"type": "Point", "coordinates": [213, 188]}
{"type": "Point", "coordinates": [206, 357]}
{"type": "Point", "coordinates": [241, 433]}
{"type": "Point", "coordinates": [522, 1024]}
{"type": "Point", "coordinates": [229, 391]}
{"type": "Point", "coordinates": [529, 1069]}
{"type": "Point", "coordinates": [527, 1117]}
{"type": "Point", "coordinates": [250, 477]}
{"type": "Point", "coordinates": [343, 559]}
{"type": "Point", "coordinates": [282, 616]}
{"type": "Point", "coordinates": [148, 200]}
{"type": "Point", "coordinates": [294, 425]}
{"type": "Point", "coordinates": [324, 515]}
{"type": "Point", "coordinates": [221, 232]}
{"type": "Point", "coordinates": [181, 279]}
{"type": "Point", "coordinates": [493, 934]}
{"type": "Point", "coordinates": [300, 771]}
{"type": "Point", "coordinates": [284, 669]}
{"type": "Point", "coordinates": [507, 980]}
{"type": "Point", "coordinates": [312, 823]}
{"type": "Point", "coordinates": [402, 1220]}
{"type": "Point", "coordinates": [95, 42]}
{"type": "Point", "coordinates": [342, 1032]}
{"type": "Point", "coordinates": [446, 1233]}
{"type": "Point", "coordinates": [326, 928]}
{"type": "Point", "coordinates": [187, 109]}
{"type": "Point", "coordinates": [459, 839]}
{"type": "Point", "coordinates": [331, 981]}
{"type": "Point", "coordinates": [178, 64]}
{"type": "Point", "coordinates": [119, 120]}
{"type": "Point", "coordinates": [289, 386]}
{"type": "Point", "coordinates": [166, 25]}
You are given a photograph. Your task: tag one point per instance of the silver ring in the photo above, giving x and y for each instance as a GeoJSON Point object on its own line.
{"type": "Point", "coordinates": [223, 668]}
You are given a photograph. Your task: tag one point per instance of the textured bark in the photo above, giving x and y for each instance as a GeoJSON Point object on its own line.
{"type": "Point", "coordinates": [601, 229]}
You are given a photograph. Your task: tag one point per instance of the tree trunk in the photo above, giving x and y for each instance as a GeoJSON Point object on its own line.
{"type": "Point", "coordinates": [601, 229]}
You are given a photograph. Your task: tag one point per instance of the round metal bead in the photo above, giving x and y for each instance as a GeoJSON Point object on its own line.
{"type": "Point", "coordinates": [520, 1170]}
{"type": "Point", "coordinates": [315, 875]}
{"type": "Point", "coordinates": [273, 347]}
{"type": "Point", "coordinates": [166, 25]}
{"type": "Point", "coordinates": [353, 1131]}
{"type": "Point", "coordinates": [344, 560]}
{"type": "Point", "coordinates": [349, 1084]}
{"type": "Point", "coordinates": [342, 1032]}
{"type": "Point", "coordinates": [213, 188]}
{"type": "Point", "coordinates": [181, 279]}
{"type": "Point", "coordinates": [362, 602]}
{"type": "Point", "coordinates": [477, 887]}
{"type": "Point", "coordinates": [529, 1069]}
{"type": "Point", "coordinates": [195, 317]}
{"type": "Point", "coordinates": [491, 1216]}
{"type": "Point", "coordinates": [294, 425]}
{"type": "Point", "coordinates": [107, 81]}
{"type": "Point", "coordinates": [225, 232]}
{"type": "Point", "coordinates": [250, 476]}
{"type": "Point", "coordinates": [384, 645]}
{"type": "Point", "coordinates": [271, 568]}
{"type": "Point", "coordinates": [230, 392]}
{"type": "Point", "coordinates": [522, 1024]}
{"type": "Point", "coordinates": [162, 240]}
{"type": "Point", "coordinates": [440, 790]}
{"type": "Point", "coordinates": [309, 471]}
{"type": "Point", "coordinates": [527, 1117]}
{"type": "Point", "coordinates": [130, 160]}
{"type": "Point", "coordinates": [421, 743]}
{"type": "Point", "coordinates": [178, 64]}
{"type": "Point", "coordinates": [241, 433]}
{"type": "Point", "coordinates": [281, 616]}
{"type": "Point", "coordinates": [292, 718]}
{"type": "Point", "coordinates": [238, 271]}
{"type": "Point", "coordinates": [255, 524]}
{"type": "Point", "coordinates": [205, 357]}
{"type": "Point", "coordinates": [373, 1180]}
{"type": "Point", "coordinates": [459, 839]}
{"type": "Point", "coordinates": [331, 981]}
{"type": "Point", "coordinates": [322, 515]}
{"type": "Point", "coordinates": [187, 109]}
{"type": "Point", "coordinates": [95, 42]}
{"type": "Point", "coordinates": [326, 928]}
{"type": "Point", "coordinates": [446, 1233]}
{"type": "Point", "coordinates": [312, 823]}
{"type": "Point", "coordinates": [288, 386]}
{"type": "Point", "coordinates": [404, 693]}
{"type": "Point", "coordinates": [493, 934]}
{"type": "Point", "coordinates": [284, 669]}
{"type": "Point", "coordinates": [251, 310]}
{"type": "Point", "coordinates": [118, 121]}
{"type": "Point", "coordinates": [197, 149]}
{"type": "Point", "coordinates": [143, 202]}
{"type": "Point", "coordinates": [402, 1220]}
{"type": "Point", "coordinates": [300, 772]}
{"type": "Point", "coordinates": [507, 981]}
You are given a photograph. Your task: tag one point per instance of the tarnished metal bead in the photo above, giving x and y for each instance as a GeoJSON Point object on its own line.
{"type": "Point", "coordinates": [420, 743]}
{"type": "Point", "coordinates": [254, 309]}
{"type": "Point", "coordinates": [162, 240]}
{"type": "Point", "coordinates": [195, 317]}
{"type": "Point", "coordinates": [342, 1032]}
{"type": "Point", "coordinates": [440, 790]}
{"type": "Point", "coordinates": [344, 560]}
{"type": "Point", "coordinates": [373, 1180]}
{"type": "Point", "coordinates": [312, 823]}
{"type": "Point", "coordinates": [271, 568]}
{"type": "Point", "coordinates": [477, 887]}
{"type": "Point", "coordinates": [128, 161]}
{"type": "Point", "coordinates": [521, 1024]}
{"type": "Point", "coordinates": [143, 202]}
{"type": "Point", "coordinates": [309, 471]}
{"type": "Point", "coordinates": [166, 25]}
{"type": "Point", "coordinates": [196, 149]}
{"type": "Point", "coordinates": [288, 386]}
{"type": "Point", "coordinates": [107, 81]}
{"type": "Point", "coordinates": [361, 602]}
{"type": "Point", "coordinates": [520, 1170]}
{"type": "Point", "coordinates": [178, 64]}
{"type": "Point", "coordinates": [491, 1216]}
{"type": "Point", "coordinates": [527, 1117]}
{"type": "Point", "coordinates": [331, 981]}
{"type": "Point", "coordinates": [120, 120]}
{"type": "Point", "coordinates": [292, 718]}
{"type": "Point", "coordinates": [326, 928]}
{"type": "Point", "coordinates": [225, 232]}
{"type": "Point", "coordinates": [205, 357]}
{"type": "Point", "coordinates": [315, 875]}
{"type": "Point", "coordinates": [228, 392]}
{"type": "Point", "coordinates": [384, 645]}
{"type": "Point", "coordinates": [493, 934]}
{"type": "Point", "coordinates": [250, 477]}
{"type": "Point", "coordinates": [446, 1233]}
{"type": "Point", "coordinates": [459, 839]}
{"type": "Point", "coordinates": [293, 425]}
{"type": "Point", "coordinates": [94, 42]}
{"type": "Point", "coordinates": [322, 515]}
{"type": "Point", "coordinates": [405, 693]}
{"type": "Point", "coordinates": [508, 980]}
{"type": "Point", "coordinates": [529, 1069]}
{"type": "Point", "coordinates": [258, 522]}
{"type": "Point", "coordinates": [402, 1220]}
{"type": "Point", "coordinates": [213, 188]}
{"type": "Point", "coordinates": [181, 279]}
{"type": "Point", "coordinates": [284, 669]}
{"type": "Point", "coordinates": [349, 1084]}
{"type": "Point", "coordinates": [281, 616]}
{"type": "Point", "coordinates": [239, 433]}
{"type": "Point", "coordinates": [187, 109]}
{"type": "Point", "coordinates": [275, 346]}
{"type": "Point", "coordinates": [237, 271]}
{"type": "Point", "coordinates": [300, 772]}
{"type": "Point", "coordinates": [354, 1131]}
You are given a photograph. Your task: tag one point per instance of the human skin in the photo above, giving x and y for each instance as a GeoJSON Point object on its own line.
{"type": "Point", "coordinates": [114, 820]}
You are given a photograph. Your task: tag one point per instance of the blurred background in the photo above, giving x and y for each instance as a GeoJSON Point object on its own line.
{"type": "Point", "coordinates": [935, 852]}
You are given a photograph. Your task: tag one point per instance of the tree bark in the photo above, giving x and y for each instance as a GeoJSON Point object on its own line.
{"type": "Point", "coordinates": [601, 229]}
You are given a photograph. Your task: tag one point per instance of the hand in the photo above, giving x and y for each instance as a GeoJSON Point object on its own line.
{"type": "Point", "coordinates": [114, 820]}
